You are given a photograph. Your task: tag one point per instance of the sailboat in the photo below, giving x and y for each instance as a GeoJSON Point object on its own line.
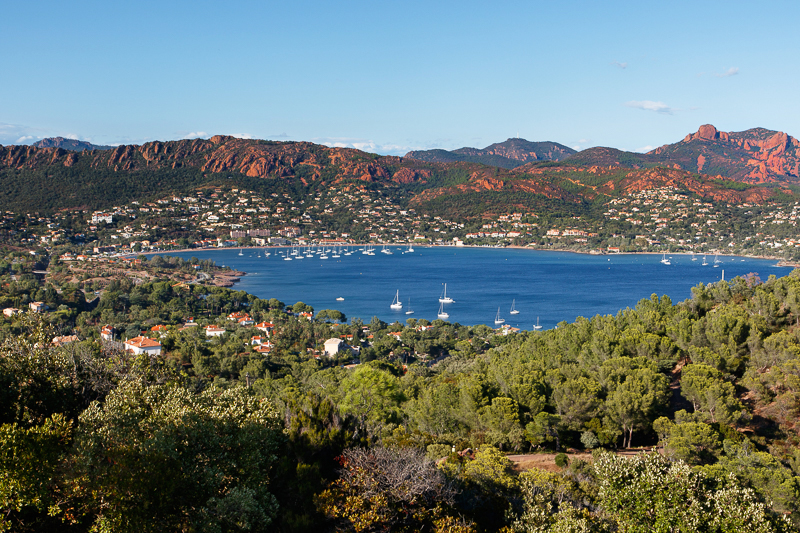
{"type": "Point", "coordinates": [716, 261]}
{"type": "Point", "coordinates": [397, 304]}
{"type": "Point", "coordinates": [704, 261]}
{"type": "Point", "coordinates": [241, 252]}
{"type": "Point", "coordinates": [537, 326]}
{"type": "Point", "coordinates": [410, 311]}
{"type": "Point", "coordinates": [513, 310]}
{"type": "Point", "coordinates": [442, 313]}
{"type": "Point", "coordinates": [497, 319]}
{"type": "Point", "coordinates": [664, 259]}
{"type": "Point", "coordinates": [446, 299]}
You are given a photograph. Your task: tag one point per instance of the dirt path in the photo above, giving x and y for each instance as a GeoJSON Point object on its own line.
{"type": "Point", "coordinates": [546, 461]}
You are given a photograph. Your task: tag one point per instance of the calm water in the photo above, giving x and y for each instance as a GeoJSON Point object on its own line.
{"type": "Point", "coordinates": [552, 286]}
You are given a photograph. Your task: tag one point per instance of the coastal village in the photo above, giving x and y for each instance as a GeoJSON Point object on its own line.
{"type": "Point", "coordinates": [657, 220]}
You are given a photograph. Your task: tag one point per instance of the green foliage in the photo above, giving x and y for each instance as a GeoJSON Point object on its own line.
{"type": "Point", "coordinates": [687, 440]}
{"type": "Point", "coordinates": [30, 458]}
{"type": "Point", "coordinates": [589, 440]}
{"type": "Point", "coordinates": [710, 394]}
{"type": "Point", "coordinates": [649, 493]}
{"type": "Point", "coordinates": [764, 473]}
{"type": "Point", "coordinates": [371, 394]}
{"type": "Point", "coordinates": [161, 454]}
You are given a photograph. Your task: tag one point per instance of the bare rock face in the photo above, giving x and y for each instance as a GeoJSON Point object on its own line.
{"type": "Point", "coordinates": [408, 175]}
{"type": "Point", "coordinates": [707, 131]}
{"type": "Point", "coordinates": [752, 156]}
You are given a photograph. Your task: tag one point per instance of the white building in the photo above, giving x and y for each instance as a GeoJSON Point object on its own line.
{"type": "Point", "coordinates": [334, 346]}
{"type": "Point", "coordinates": [102, 217]}
{"type": "Point", "coordinates": [214, 331]}
{"type": "Point", "coordinates": [141, 344]}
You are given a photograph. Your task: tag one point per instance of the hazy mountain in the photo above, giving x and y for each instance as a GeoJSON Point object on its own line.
{"type": "Point", "coordinates": [509, 154]}
{"type": "Point", "coordinates": [69, 144]}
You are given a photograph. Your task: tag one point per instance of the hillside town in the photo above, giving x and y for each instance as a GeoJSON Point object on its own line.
{"type": "Point", "coordinates": [657, 220]}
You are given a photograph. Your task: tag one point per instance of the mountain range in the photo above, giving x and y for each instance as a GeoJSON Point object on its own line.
{"type": "Point", "coordinates": [509, 154]}
{"type": "Point", "coordinates": [69, 144]}
{"type": "Point", "coordinates": [756, 165]}
{"type": "Point", "coordinates": [756, 155]}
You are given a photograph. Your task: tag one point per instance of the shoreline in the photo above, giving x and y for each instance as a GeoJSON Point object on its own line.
{"type": "Point", "coordinates": [231, 279]}
{"type": "Point", "coordinates": [781, 261]}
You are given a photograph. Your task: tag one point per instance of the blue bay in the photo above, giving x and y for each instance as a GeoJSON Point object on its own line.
{"type": "Point", "coordinates": [554, 286]}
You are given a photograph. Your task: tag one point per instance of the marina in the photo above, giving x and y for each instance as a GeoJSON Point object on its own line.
{"type": "Point", "coordinates": [544, 287]}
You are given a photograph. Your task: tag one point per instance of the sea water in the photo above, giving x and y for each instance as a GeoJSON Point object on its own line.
{"type": "Point", "coordinates": [548, 286]}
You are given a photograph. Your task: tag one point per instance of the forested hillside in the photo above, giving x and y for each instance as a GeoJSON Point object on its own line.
{"type": "Point", "coordinates": [216, 434]}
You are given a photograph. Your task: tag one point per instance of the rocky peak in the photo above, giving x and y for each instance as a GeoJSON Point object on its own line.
{"type": "Point", "coordinates": [707, 132]}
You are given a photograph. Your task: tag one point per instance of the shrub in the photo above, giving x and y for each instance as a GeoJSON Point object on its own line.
{"type": "Point", "coordinates": [562, 460]}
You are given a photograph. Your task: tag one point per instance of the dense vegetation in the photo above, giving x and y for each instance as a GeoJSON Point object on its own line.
{"type": "Point", "coordinates": [215, 435]}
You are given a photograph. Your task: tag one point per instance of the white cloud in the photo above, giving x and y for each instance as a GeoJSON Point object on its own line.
{"type": "Point", "coordinates": [365, 145]}
{"type": "Point", "coordinates": [580, 144]}
{"type": "Point", "coordinates": [649, 105]}
{"type": "Point", "coordinates": [18, 134]}
{"type": "Point", "coordinates": [733, 71]}
{"type": "Point", "coordinates": [645, 149]}
{"type": "Point", "coordinates": [196, 135]}
{"type": "Point", "coordinates": [242, 135]}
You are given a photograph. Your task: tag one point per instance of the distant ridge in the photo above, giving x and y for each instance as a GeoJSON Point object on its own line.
{"type": "Point", "coordinates": [757, 155]}
{"type": "Point", "coordinates": [53, 179]}
{"type": "Point", "coordinates": [509, 154]}
{"type": "Point", "coordinates": [69, 144]}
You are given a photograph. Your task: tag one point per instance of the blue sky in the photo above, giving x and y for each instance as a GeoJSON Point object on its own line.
{"type": "Point", "coordinates": [393, 76]}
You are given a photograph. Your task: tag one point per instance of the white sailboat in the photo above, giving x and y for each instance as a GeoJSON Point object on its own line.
{"type": "Point", "coordinates": [498, 320]}
{"type": "Point", "coordinates": [445, 299]}
{"type": "Point", "coordinates": [397, 304]}
{"type": "Point", "coordinates": [442, 313]}
{"type": "Point", "coordinates": [513, 309]}
{"type": "Point", "coordinates": [241, 252]}
{"type": "Point", "coordinates": [664, 260]}
{"type": "Point", "coordinates": [704, 261]}
{"type": "Point", "coordinates": [537, 326]}
{"type": "Point", "coordinates": [410, 311]}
